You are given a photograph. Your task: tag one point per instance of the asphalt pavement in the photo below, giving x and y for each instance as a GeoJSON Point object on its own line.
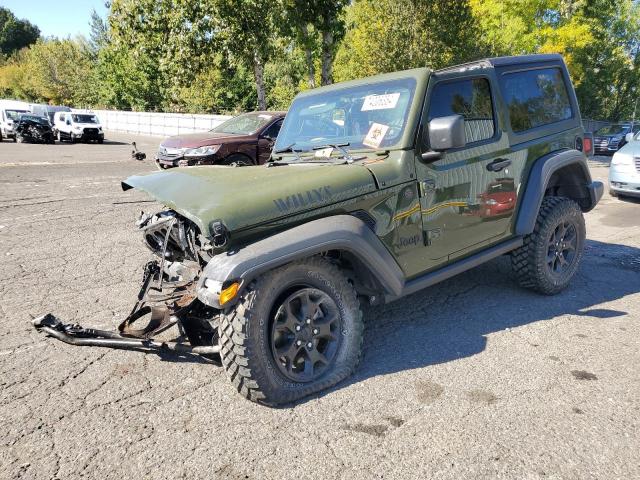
{"type": "Point", "coordinates": [471, 379]}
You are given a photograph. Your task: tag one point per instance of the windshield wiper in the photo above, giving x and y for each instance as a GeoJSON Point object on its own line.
{"type": "Point", "coordinates": [287, 149]}
{"type": "Point", "coordinates": [346, 154]}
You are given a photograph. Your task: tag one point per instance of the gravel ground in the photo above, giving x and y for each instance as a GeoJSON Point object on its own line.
{"type": "Point", "coordinates": [473, 378]}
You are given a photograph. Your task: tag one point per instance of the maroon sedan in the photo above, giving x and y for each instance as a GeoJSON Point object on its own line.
{"type": "Point", "coordinates": [245, 139]}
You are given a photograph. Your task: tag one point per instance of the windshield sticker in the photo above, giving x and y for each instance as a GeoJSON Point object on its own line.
{"type": "Point", "coordinates": [380, 102]}
{"type": "Point", "coordinates": [266, 117]}
{"type": "Point", "coordinates": [376, 135]}
{"type": "Point", "coordinates": [324, 152]}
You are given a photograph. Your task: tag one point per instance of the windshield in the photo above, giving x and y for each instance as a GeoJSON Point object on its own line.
{"type": "Point", "coordinates": [14, 114]}
{"type": "Point", "coordinates": [613, 130]}
{"type": "Point", "coordinates": [365, 116]}
{"type": "Point", "coordinates": [84, 118]}
{"type": "Point", "coordinates": [35, 118]}
{"type": "Point", "coordinates": [244, 124]}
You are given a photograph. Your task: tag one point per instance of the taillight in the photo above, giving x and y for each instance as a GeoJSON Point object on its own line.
{"type": "Point", "coordinates": [585, 144]}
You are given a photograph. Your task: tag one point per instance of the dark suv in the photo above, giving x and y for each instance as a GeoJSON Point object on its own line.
{"type": "Point", "coordinates": [608, 140]}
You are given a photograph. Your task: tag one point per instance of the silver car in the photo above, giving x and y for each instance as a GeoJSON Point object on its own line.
{"type": "Point", "coordinates": [624, 174]}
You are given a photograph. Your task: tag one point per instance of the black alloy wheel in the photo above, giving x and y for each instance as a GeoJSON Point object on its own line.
{"type": "Point", "coordinates": [563, 244]}
{"type": "Point", "coordinates": [305, 334]}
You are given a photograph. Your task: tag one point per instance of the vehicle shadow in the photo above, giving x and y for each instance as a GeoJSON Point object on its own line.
{"type": "Point", "coordinates": [628, 199]}
{"type": "Point", "coordinates": [451, 320]}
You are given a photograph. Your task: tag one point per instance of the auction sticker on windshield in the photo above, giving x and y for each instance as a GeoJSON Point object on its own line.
{"type": "Point", "coordinates": [380, 102]}
{"type": "Point", "coordinates": [376, 135]}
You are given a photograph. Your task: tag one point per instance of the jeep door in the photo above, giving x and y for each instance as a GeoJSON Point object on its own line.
{"type": "Point", "coordinates": [467, 195]}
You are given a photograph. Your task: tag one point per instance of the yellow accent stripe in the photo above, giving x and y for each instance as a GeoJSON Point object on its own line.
{"type": "Point", "coordinates": [408, 213]}
{"type": "Point", "coordinates": [434, 209]}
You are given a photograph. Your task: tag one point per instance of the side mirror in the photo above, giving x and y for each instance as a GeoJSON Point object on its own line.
{"type": "Point", "coordinates": [628, 137]}
{"type": "Point", "coordinates": [68, 122]}
{"type": "Point", "coordinates": [446, 133]}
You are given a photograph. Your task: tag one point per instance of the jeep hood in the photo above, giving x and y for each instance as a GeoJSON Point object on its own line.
{"type": "Point", "coordinates": [245, 196]}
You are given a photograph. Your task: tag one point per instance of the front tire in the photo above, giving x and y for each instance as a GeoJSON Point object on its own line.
{"type": "Point", "coordinates": [295, 331]}
{"type": "Point", "coordinates": [550, 256]}
{"type": "Point", "coordinates": [238, 159]}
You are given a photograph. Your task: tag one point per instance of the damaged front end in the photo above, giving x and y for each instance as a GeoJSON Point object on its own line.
{"type": "Point", "coordinates": [166, 298]}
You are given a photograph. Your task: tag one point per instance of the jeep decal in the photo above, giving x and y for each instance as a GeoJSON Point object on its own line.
{"type": "Point", "coordinates": [303, 199]}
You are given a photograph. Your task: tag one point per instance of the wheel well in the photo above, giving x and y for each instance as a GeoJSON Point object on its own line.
{"type": "Point", "coordinates": [571, 182]}
{"type": "Point", "coordinates": [362, 278]}
{"type": "Point", "coordinates": [236, 155]}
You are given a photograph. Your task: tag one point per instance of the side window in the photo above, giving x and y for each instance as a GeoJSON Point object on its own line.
{"type": "Point", "coordinates": [535, 98]}
{"type": "Point", "coordinates": [272, 131]}
{"type": "Point", "coordinates": [62, 117]}
{"type": "Point", "coordinates": [470, 98]}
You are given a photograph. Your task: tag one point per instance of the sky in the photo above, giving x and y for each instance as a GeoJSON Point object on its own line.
{"type": "Point", "coordinates": [60, 18]}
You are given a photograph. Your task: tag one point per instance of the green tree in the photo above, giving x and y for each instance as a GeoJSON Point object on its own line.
{"type": "Point", "coordinates": [15, 34]}
{"type": "Point", "coordinates": [611, 61]}
{"type": "Point", "coordinates": [247, 29]}
{"type": "Point", "coordinates": [388, 35]}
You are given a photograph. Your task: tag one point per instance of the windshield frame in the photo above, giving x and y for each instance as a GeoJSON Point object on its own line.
{"type": "Point", "coordinates": [75, 118]}
{"type": "Point", "coordinates": [14, 115]}
{"type": "Point", "coordinates": [34, 118]}
{"type": "Point", "coordinates": [406, 138]}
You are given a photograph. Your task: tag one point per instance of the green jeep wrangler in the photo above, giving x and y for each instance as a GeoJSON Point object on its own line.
{"type": "Point", "coordinates": [377, 188]}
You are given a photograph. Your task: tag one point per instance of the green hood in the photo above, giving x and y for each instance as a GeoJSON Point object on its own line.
{"type": "Point", "coordinates": [245, 196]}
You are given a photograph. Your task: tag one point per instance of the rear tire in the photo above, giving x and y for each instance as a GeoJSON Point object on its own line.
{"type": "Point", "coordinates": [309, 301]}
{"type": "Point", "coordinates": [550, 256]}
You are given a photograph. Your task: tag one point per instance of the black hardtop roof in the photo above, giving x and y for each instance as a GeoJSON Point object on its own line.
{"type": "Point", "coordinates": [503, 61]}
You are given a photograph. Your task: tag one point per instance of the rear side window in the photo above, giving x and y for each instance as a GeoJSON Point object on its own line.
{"type": "Point", "coordinates": [536, 98]}
{"type": "Point", "coordinates": [470, 98]}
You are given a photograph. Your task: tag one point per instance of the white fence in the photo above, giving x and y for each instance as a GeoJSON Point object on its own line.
{"type": "Point", "coordinates": [160, 124]}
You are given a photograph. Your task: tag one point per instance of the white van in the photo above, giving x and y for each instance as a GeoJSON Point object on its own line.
{"type": "Point", "coordinates": [77, 126]}
{"type": "Point", "coordinates": [10, 110]}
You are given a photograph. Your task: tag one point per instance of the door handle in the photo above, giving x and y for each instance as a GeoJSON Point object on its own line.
{"type": "Point", "coordinates": [498, 164]}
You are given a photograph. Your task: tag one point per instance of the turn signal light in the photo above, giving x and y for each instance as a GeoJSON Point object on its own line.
{"type": "Point", "coordinates": [229, 293]}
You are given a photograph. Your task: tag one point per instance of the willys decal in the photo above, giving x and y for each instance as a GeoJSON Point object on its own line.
{"type": "Point", "coordinates": [303, 199]}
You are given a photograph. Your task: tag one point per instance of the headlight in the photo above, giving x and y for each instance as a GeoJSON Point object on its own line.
{"type": "Point", "coordinates": [201, 151]}
{"type": "Point", "coordinates": [77, 128]}
{"type": "Point", "coordinates": [621, 159]}
{"type": "Point", "coordinates": [617, 139]}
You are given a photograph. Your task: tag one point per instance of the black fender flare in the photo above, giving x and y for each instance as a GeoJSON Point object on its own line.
{"type": "Point", "coordinates": [340, 232]}
{"type": "Point", "coordinates": [538, 179]}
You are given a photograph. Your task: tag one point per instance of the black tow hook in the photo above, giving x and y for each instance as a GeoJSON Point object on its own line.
{"type": "Point", "coordinates": [74, 334]}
